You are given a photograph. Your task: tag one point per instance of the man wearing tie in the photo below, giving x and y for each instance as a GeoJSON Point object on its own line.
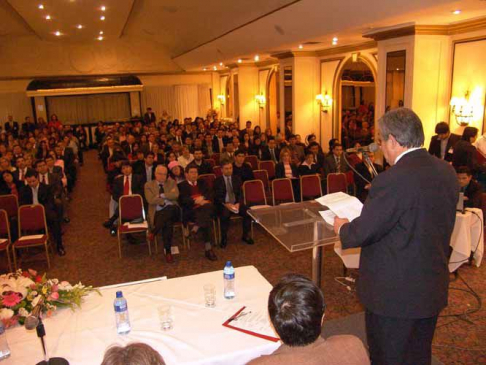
{"type": "Point", "coordinates": [22, 170]}
{"type": "Point", "coordinates": [334, 163]}
{"type": "Point", "coordinates": [271, 153]}
{"type": "Point", "coordinates": [227, 200]}
{"type": "Point", "coordinates": [162, 194]}
{"type": "Point", "coordinates": [218, 142]}
{"type": "Point", "coordinates": [125, 184]}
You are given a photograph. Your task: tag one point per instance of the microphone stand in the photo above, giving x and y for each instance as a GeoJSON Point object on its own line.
{"type": "Point", "coordinates": [41, 332]}
{"type": "Point", "coordinates": [370, 165]}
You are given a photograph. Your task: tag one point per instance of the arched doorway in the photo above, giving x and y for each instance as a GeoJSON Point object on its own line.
{"type": "Point", "coordinates": [273, 100]}
{"type": "Point", "coordinates": [357, 94]}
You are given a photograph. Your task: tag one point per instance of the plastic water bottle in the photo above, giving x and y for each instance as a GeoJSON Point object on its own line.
{"type": "Point", "coordinates": [229, 280]}
{"type": "Point", "coordinates": [4, 349]}
{"type": "Point", "coordinates": [121, 314]}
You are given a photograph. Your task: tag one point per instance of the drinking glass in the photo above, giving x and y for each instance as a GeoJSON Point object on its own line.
{"type": "Point", "coordinates": [209, 295]}
{"type": "Point", "coordinates": [165, 316]}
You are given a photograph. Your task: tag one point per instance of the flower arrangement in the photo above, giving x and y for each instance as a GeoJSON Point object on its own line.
{"type": "Point", "coordinates": [22, 290]}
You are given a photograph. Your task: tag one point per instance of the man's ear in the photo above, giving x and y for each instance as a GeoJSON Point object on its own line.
{"type": "Point", "coordinates": [394, 142]}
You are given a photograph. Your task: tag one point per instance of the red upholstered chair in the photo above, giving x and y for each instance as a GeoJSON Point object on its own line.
{"type": "Point", "coordinates": [263, 176]}
{"type": "Point", "coordinates": [269, 166]}
{"type": "Point", "coordinates": [211, 162]}
{"type": "Point", "coordinates": [217, 171]}
{"type": "Point", "coordinates": [310, 187]}
{"type": "Point", "coordinates": [282, 191]}
{"type": "Point", "coordinates": [130, 209]}
{"type": "Point", "coordinates": [483, 204]}
{"type": "Point", "coordinates": [253, 161]}
{"type": "Point", "coordinates": [176, 225]}
{"type": "Point", "coordinates": [336, 182]}
{"type": "Point", "coordinates": [208, 179]}
{"type": "Point", "coordinates": [216, 157]}
{"type": "Point", "coordinates": [480, 157]}
{"type": "Point", "coordinates": [32, 230]}
{"type": "Point", "coordinates": [350, 181]}
{"type": "Point", "coordinates": [10, 204]}
{"type": "Point", "coordinates": [5, 234]}
{"type": "Point", "coordinates": [254, 196]}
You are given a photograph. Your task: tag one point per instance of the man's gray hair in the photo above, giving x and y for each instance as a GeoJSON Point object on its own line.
{"type": "Point", "coordinates": [404, 125]}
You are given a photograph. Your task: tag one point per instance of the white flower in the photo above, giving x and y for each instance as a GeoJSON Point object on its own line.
{"type": "Point", "coordinates": [55, 281]}
{"type": "Point", "coordinates": [6, 314]}
{"type": "Point", "coordinates": [36, 300]}
{"type": "Point", "coordinates": [18, 285]}
{"type": "Point", "coordinates": [23, 312]}
{"type": "Point", "coordinates": [65, 285]}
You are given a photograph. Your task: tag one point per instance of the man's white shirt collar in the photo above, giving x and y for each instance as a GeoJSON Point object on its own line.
{"type": "Point", "coordinates": [405, 152]}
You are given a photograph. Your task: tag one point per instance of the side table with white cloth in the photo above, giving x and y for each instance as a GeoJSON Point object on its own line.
{"type": "Point", "coordinates": [467, 237]}
{"type": "Point", "coordinates": [198, 335]}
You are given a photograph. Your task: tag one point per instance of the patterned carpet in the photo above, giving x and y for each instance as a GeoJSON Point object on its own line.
{"type": "Point", "coordinates": [92, 258]}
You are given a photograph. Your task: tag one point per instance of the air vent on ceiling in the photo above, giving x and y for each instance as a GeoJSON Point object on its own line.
{"type": "Point", "coordinates": [311, 43]}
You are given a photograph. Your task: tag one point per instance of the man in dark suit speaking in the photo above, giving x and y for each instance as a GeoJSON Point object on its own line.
{"type": "Point", "coordinates": [404, 231]}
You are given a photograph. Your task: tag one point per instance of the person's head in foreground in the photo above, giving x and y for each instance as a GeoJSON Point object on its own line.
{"type": "Point", "coordinates": [132, 354]}
{"type": "Point", "coordinates": [296, 308]}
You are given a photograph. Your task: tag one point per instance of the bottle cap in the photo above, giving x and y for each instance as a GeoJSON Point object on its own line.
{"type": "Point", "coordinates": [119, 294]}
{"type": "Point", "coordinates": [228, 263]}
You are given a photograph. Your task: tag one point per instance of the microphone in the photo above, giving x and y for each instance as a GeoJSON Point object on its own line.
{"type": "Point", "coordinates": [373, 147]}
{"type": "Point", "coordinates": [32, 321]}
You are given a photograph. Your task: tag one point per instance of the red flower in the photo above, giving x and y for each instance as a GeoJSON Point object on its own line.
{"type": "Point", "coordinates": [38, 279]}
{"type": "Point", "coordinates": [26, 274]}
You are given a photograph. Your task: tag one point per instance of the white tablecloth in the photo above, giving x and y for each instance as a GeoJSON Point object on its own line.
{"type": "Point", "coordinates": [467, 237]}
{"type": "Point", "coordinates": [198, 336]}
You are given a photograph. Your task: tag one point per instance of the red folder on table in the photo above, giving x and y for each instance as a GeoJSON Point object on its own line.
{"type": "Point", "coordinates": [233, 317]}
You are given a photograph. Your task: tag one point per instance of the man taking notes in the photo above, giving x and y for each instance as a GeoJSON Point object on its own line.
{"type": "Point", "coordinates": [404, 231]}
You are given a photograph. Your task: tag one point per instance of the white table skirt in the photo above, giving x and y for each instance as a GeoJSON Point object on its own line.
{"type": "Point", "coordinates": [467, 237]}
{"type": "Point", "coordinates": [198, 336]}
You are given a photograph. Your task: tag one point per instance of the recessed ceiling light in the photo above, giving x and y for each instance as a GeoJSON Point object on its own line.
{"type": "Point", "coordinates": [257, 58]}
{"type": "Point", "coordinates": [301, 46]}
{"type": "Point", "coordinates": [334, 43]}
{"type": "Point", "coordinates": [215, 68]}
{"type": "Point", "coordinates": [103, 8]}
{"type": "Point", "coordinates": [41, 6]}
{"type": "Point", "coordinates": [58, 33]}
{"type": "Point", "coordinates": [204, 69]}
{"type": "Point", "coordinates": [48, 17]}
{"type": "Point", "coordinates": [102, 17]}
{"type": "Point", "coordinates": [456, 12]}
{"type": "Point", "coordinates": [79, 26]}
{"type": "Point", "coordinates": [221, 63]}
{"type": "Point", "coordinates": [239, 61]}
{"type": "Point", "coordinates": [335, 39]}
{"type": "Point", "coordinates": [101, 32]}
{"type": "Point", "coordinates": [100, 38]}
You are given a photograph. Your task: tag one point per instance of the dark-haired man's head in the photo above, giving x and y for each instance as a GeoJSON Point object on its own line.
{"type": "Point", "coordinates": [227, 168]}
{"type": "Point", "coordinates": [296, 308]}
{"type": "Point", "coordinates": [198, 155]}
{"type": "Point", "coordinates": [149, 159]}
{"type": "Point", "coordinates": [337, 149]}
{"type": "Point", "coordinates": [41, 166]}
{"type": "Point", "coordinates": [442, 130]}
{"type": "Point", "coordinates": [464, 176]}
{"type": "Point", "coordinates": [239, 157]}
{"type": "Point", "coordinates": [126, 168]}
{"type": "Point", "coordinates": [32, 180]}
{"type": "Point", "coordinates": [191, 173]}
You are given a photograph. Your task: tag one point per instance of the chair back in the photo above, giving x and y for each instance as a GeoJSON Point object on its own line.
{"type": "Point", "coordinates": [208, 179]}
{"type": "Point", "coordinates": [216, 157]}
{"type": "Point", "coordinates": [253, 161]}
{"type": "Point", "coordinates": [480, 157]}
{"type": "Point", "coordinates": [211, 162]}
{"type": "Point", "coordinates": [483, 204]}
{"type": "Point", "coordinates": [254, 193]}
{"type": "Point", "coordinates": [282, 191]}
{"type": "Point", "coordinates": [4, 224]}
{"type": "Point", "coordinates": [310, 187]}
{"type": "Point", "coordinates": [269, 166]}
{"type": "Point", "coordinates": [350, 178]}
{"type": "Point", "coordinates": [10, 204]}
{"type": "Point", "coordinates": [336, 182]}
{"type": "Point", "coordinates": [217, 171]}
{"type": "Point", "coordinates": [131, 208]}
{"type": "Point", "coordinates": [32, 218]}
{"type": "Point", "coordinates": [263, 176]}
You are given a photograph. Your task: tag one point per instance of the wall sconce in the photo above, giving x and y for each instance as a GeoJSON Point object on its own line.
{"type": "Point", "coordinates": [222, 99]}
{"type": "Point", "coordinates": [261, 100]}
{"type": "Point", "coordinates": [354, 57]}
{"type": "Point", "coordinates": [324, 102]}
{"type": "Point", "coordinates": [463, 109]}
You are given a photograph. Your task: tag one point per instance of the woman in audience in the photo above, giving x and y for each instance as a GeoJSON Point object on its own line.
{"type": "Point", "coordinates": [5, 165]}
{"type": "Point", "coordinates": [42, 150]}
{"type": "Point", "coordinates": [257, 131]}
{"type": "Point", "coordinates": [132, 354]}
{"type": "Point", "coordinates": [158, 154]}
{"type": "Point", "coordinates": [171, 156]}
{"type": "Point", "coordinates": [256, 148]}
{"type": "Point", "coordinates": [10, 186]}
{"type": "Point", "coordinates": [246, 142]}
{"type": "Point", "coordinates": [176, 172]}
{"type": "Point", "coordinates": [54, 122]}
{"type": "Point", "coordinates": [287, 169]}
{"type": "Point", "coordinates": [465, 154]}
{"type": "Point", "coordinates": [308, 167]}
{"type": "Point", "coordinates": [263, 139]}
{"type": "Point", "coordinates": [268, 133]}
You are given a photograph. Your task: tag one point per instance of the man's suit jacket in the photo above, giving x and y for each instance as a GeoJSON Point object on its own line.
{"type": "Point", "coordinates": [434, 147]}
{"type": "Point", "coordinates": [125, 146]}
{"type": "Point", "coordinates": [55, 183]}
{"type": "Point", "coordinates": [153, 198]}
{"type": "Point", "coordinates": [474, 193]}
{"type": "Point", "coordinates": [216, 148]}
{"type": "Point", "coordinates": [118, 185]}
{"type": "Point", "coordinates": [220, 190]}
{"type": "Point", "coordinates": [204, 168]}
{"type": "Point", "coordinates": [16, 173]}
{"type": "Point", "coordinates": [149, 117]}
{"type": "Point", "coordinates": [45, 198]}
{"type": "Point", "coordinates": [56, 170]}
{"type": "Point", "coordinates": [404, 232]}
{"type": "Point", "coordinates": [14, 128]}
{"type": "Point", "coordinates": [226, 157]}
{"type": "Point", "coordinates": [140, 169]}
{"type": "Point", "coordinates": [185, 197]}
{"type": "Point", "coordinates": [330, 164]}
{"type": "Point", "coordinates": [267, 156]}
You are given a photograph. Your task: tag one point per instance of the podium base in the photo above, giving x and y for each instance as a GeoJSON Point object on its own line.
{"type": "Point", "coordinates": [54, 361]}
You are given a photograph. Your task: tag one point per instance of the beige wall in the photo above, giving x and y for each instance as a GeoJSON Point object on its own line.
{"type": "Point", "coordinates": [247, 89]}
{"type": "Point", "coordinates": [469, 74]}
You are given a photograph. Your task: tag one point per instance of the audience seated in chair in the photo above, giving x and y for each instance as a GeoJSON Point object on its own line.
{"type": "Point", "coordinates": [228, 201]}
{"type": "Point", "coordinates": [195, 201]}
{"type": "Point", "coordinates": [471, 188]}
{"type": "Point", "coordinates": [241, 168]}
{"type": "Point", "coordinates": [296, 308]}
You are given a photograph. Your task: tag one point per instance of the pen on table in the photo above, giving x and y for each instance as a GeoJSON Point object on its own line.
{"type": "Point", "coordinates": [240, 315]}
